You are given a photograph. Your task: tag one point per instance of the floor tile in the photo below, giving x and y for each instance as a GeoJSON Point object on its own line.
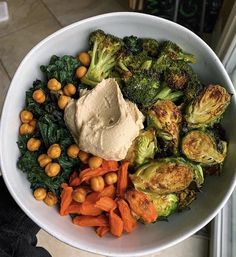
{"type": "Point", "coordinates": [5, 81]}
{"type": "Point", "coordinates": [14, 46]}
{"type": "Point", "coordinates": [23, 13]}
{"type": "Point", "coordinates": [77, 10]}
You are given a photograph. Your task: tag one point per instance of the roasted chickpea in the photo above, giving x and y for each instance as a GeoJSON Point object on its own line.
{"type": "Point", "coordinates": [39, 96]}
{"type": "Point", "coordinates": [54, 84]}
{"type": "Point", "coordinates": [97, 183]}
{"type": "Point", "coordinates": [25, 129]}
{"type": "Point", "coordinates": [84, 58]}
{"type": "Point", "coordinates": [44, 160]}
{"type": "Point", "coordinates": [26, 116]}
{"type": "Point", "coordinates": [54, 151]}
{"type": "Point", "coordinates": [50, 199]}
{"type": "Point", "coordinates": [79, 195]}
{"type": "Point", "coordinates": [33, 144]}
{"type": "Point", "coordinates": [94, 162]}
{"type": "Point", "coordinates": [40, 193]}
{"type": "Point", "coordinates": [69, 89]}
{"type": "Point", "coordinates": [83, 156]}
{"type": "Point", "coordinates": [52, 169]}
{"type": "Point", "coordinates": [110, 178]}
{"type": "Point", "coordinates": [81, 71]}
{"type": "Point", "coordinates": [33, 123]}
{"type": "Point", "coordinates": [63, 101]}
{"type": "Point", "coordinates": [72, 151]}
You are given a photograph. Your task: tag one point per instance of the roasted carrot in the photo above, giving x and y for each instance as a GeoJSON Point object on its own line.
{"type": "Point", "coordinates": [128, 219]}
{"type": "Point", "coordinates": [87, 174]}
{"type": "Point", "coordinates": [66, 199]}
{"type": "Point", "coordinates": [122, 181]}
{"type": "Point", "coordinates": [73, 208]}
{"type": "Point", "coordinates": [109, 191]}
{"type": "Point", "coordinates": [106, 204]}
{"type": "Point", "coordinates": [101, 231]}
{"type": "Point", "coordinates": [116, 224]}
{"type": "Point", "coordinates": [110, 165]}
{"type": "Point", "coordinates": [90, 221]}
{"type": "Point", "coordinates": [74, 179]}
{"type": "Point", "coordinates": [142, 205]}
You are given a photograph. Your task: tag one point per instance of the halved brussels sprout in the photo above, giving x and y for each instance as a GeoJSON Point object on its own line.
{"type": "Point", "coordinates": [164, 204]}
{"type": "Point", "coordinates": [165, 117]}
{"type": "Point", "coordinates": [200, 146]}
{"type": "Point", "coordinates": [143, 148]}
{"type": "Point", "coordinates": [208, 108]}
{"type": "Point", "coordinates": [168, 175]}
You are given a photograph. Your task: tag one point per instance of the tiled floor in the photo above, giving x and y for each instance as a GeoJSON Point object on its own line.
{"type": "Point", "coordinates": [31, 21]}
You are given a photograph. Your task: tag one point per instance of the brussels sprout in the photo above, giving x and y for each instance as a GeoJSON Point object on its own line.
{"type": "Point", "coordinates": [186, 197]}
{"type": "Point", "coordinates": [165, 204]}
{"type": "Point", "coordinates": [165, 117]}
{"type": "Point", "coordinates": [163, 176]}
{"type": "Point", "coordinates": [208, 108]}
{"type": "Point", "coordinates": [143, 148]}
{"type": "Point", "coordinates": [200, 146]}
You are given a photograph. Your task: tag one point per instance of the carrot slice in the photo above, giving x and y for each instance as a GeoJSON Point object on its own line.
{"type": "Point", "coordinates": [128, 219]}
{"type": "Point", "coordinates": [142, 205]}
{"type": "Point", "coordinates": [110, 165]}
{"type": "Point", "coordinates": [106, 204]}
{"type": "Point", "coordinates": [74, 179]}
{"type": "Point", "coordinates": [66, 199]}
{"type": "Point", "coordinates": [87, 174]}
{"type": "Point", "coordinates": [73, 208]}
{"type": "Point", "coordinates": [90, 221]}
{"type": "Point", "coordinates": [109, 191]}
{"type": "Point", "coordinates": [122, 181]}
{"type": "Point", "coordinates": [116, 224]}
{"type": "Point", "coordinates": [102, 231]}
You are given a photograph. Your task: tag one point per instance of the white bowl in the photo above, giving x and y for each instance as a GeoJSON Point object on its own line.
{"type": "Point", "coordinates": [146, 239]}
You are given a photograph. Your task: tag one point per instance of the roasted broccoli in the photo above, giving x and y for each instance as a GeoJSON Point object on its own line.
{"type": "Point", "coordinates": [200, 146]}
{"type": "Point", "coordinates": [143, 148]}
{"type": "Point", "coordinates": [151, 46]}
{"type": "Point", "coordinates": [132, 44]}
{"type": "Point", "coordinates": [208, 108]}
{"type": "Point", "coordinates": [104, 49]}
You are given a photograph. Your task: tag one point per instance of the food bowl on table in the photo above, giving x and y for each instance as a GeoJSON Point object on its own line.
{"type": "Point", "coordinates": [145, 239]}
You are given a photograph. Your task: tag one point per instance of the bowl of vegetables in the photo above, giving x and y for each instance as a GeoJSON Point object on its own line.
{"type": "Point", "coordinates": [113, 126]}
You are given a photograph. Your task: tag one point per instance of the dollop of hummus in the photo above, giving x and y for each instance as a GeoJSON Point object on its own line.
{"type": "Point", "coordinates": [102, 122]}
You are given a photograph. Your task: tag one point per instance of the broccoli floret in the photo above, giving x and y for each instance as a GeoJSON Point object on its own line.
{"type": "Point", "coordinates": [142, 88]}
{"type": "Point", "coordinates": [151, 46]}
{"type": "Point", "coordinates": [104, 49]}
{"type": "Point", "coordinates": [132, 44]}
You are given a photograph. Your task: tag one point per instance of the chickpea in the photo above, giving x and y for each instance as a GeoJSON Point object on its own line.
{"type": "Point", "coordinates": [63, 101]}
{"type": "Point", "coordinates": [84, 157]}
{"type": "Point", "coordinates": [95, 162]}
{"type": "Point", "coordinates": [33, 144]}
{"type": "Point", "coordinates": [50, 199]}
{"type": "Point", "coordinates": [33, 123]}
{"type": "Point", "coordinates": [40, 193]}
{"type": "Point", "coordinates": [79, 195]}
{"type": "Point", "coordinates": [110, 178]}
{"type": "Point", "coordinates": [81, 71]}
{"type": "Point", "coordinates": [52, 169]}
{"type": "Point", "coordinates": [69, 89]}
{"type": "Point", "coordinates": [26, 116]}
{"type": "Point", "coordinates": [44, 160]}
{"type": "Point", "coordinates": [84, 58]}
{"type": "Point", "coordinates": [72, 151]}
{"type": "Point", "coordinates": [54, 84]}
{"type": "Point", "coordinates": [25, 129]}
{"type": "Point", "coordinates": [54, 151]}
{"type": "Point", "coordinates": [97, 183]}
{"type": "Point", "coordinates": [39, 96]}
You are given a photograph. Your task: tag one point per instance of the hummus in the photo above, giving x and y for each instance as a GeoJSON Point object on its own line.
{"type": "Point", "coordinates": [102, 122]}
